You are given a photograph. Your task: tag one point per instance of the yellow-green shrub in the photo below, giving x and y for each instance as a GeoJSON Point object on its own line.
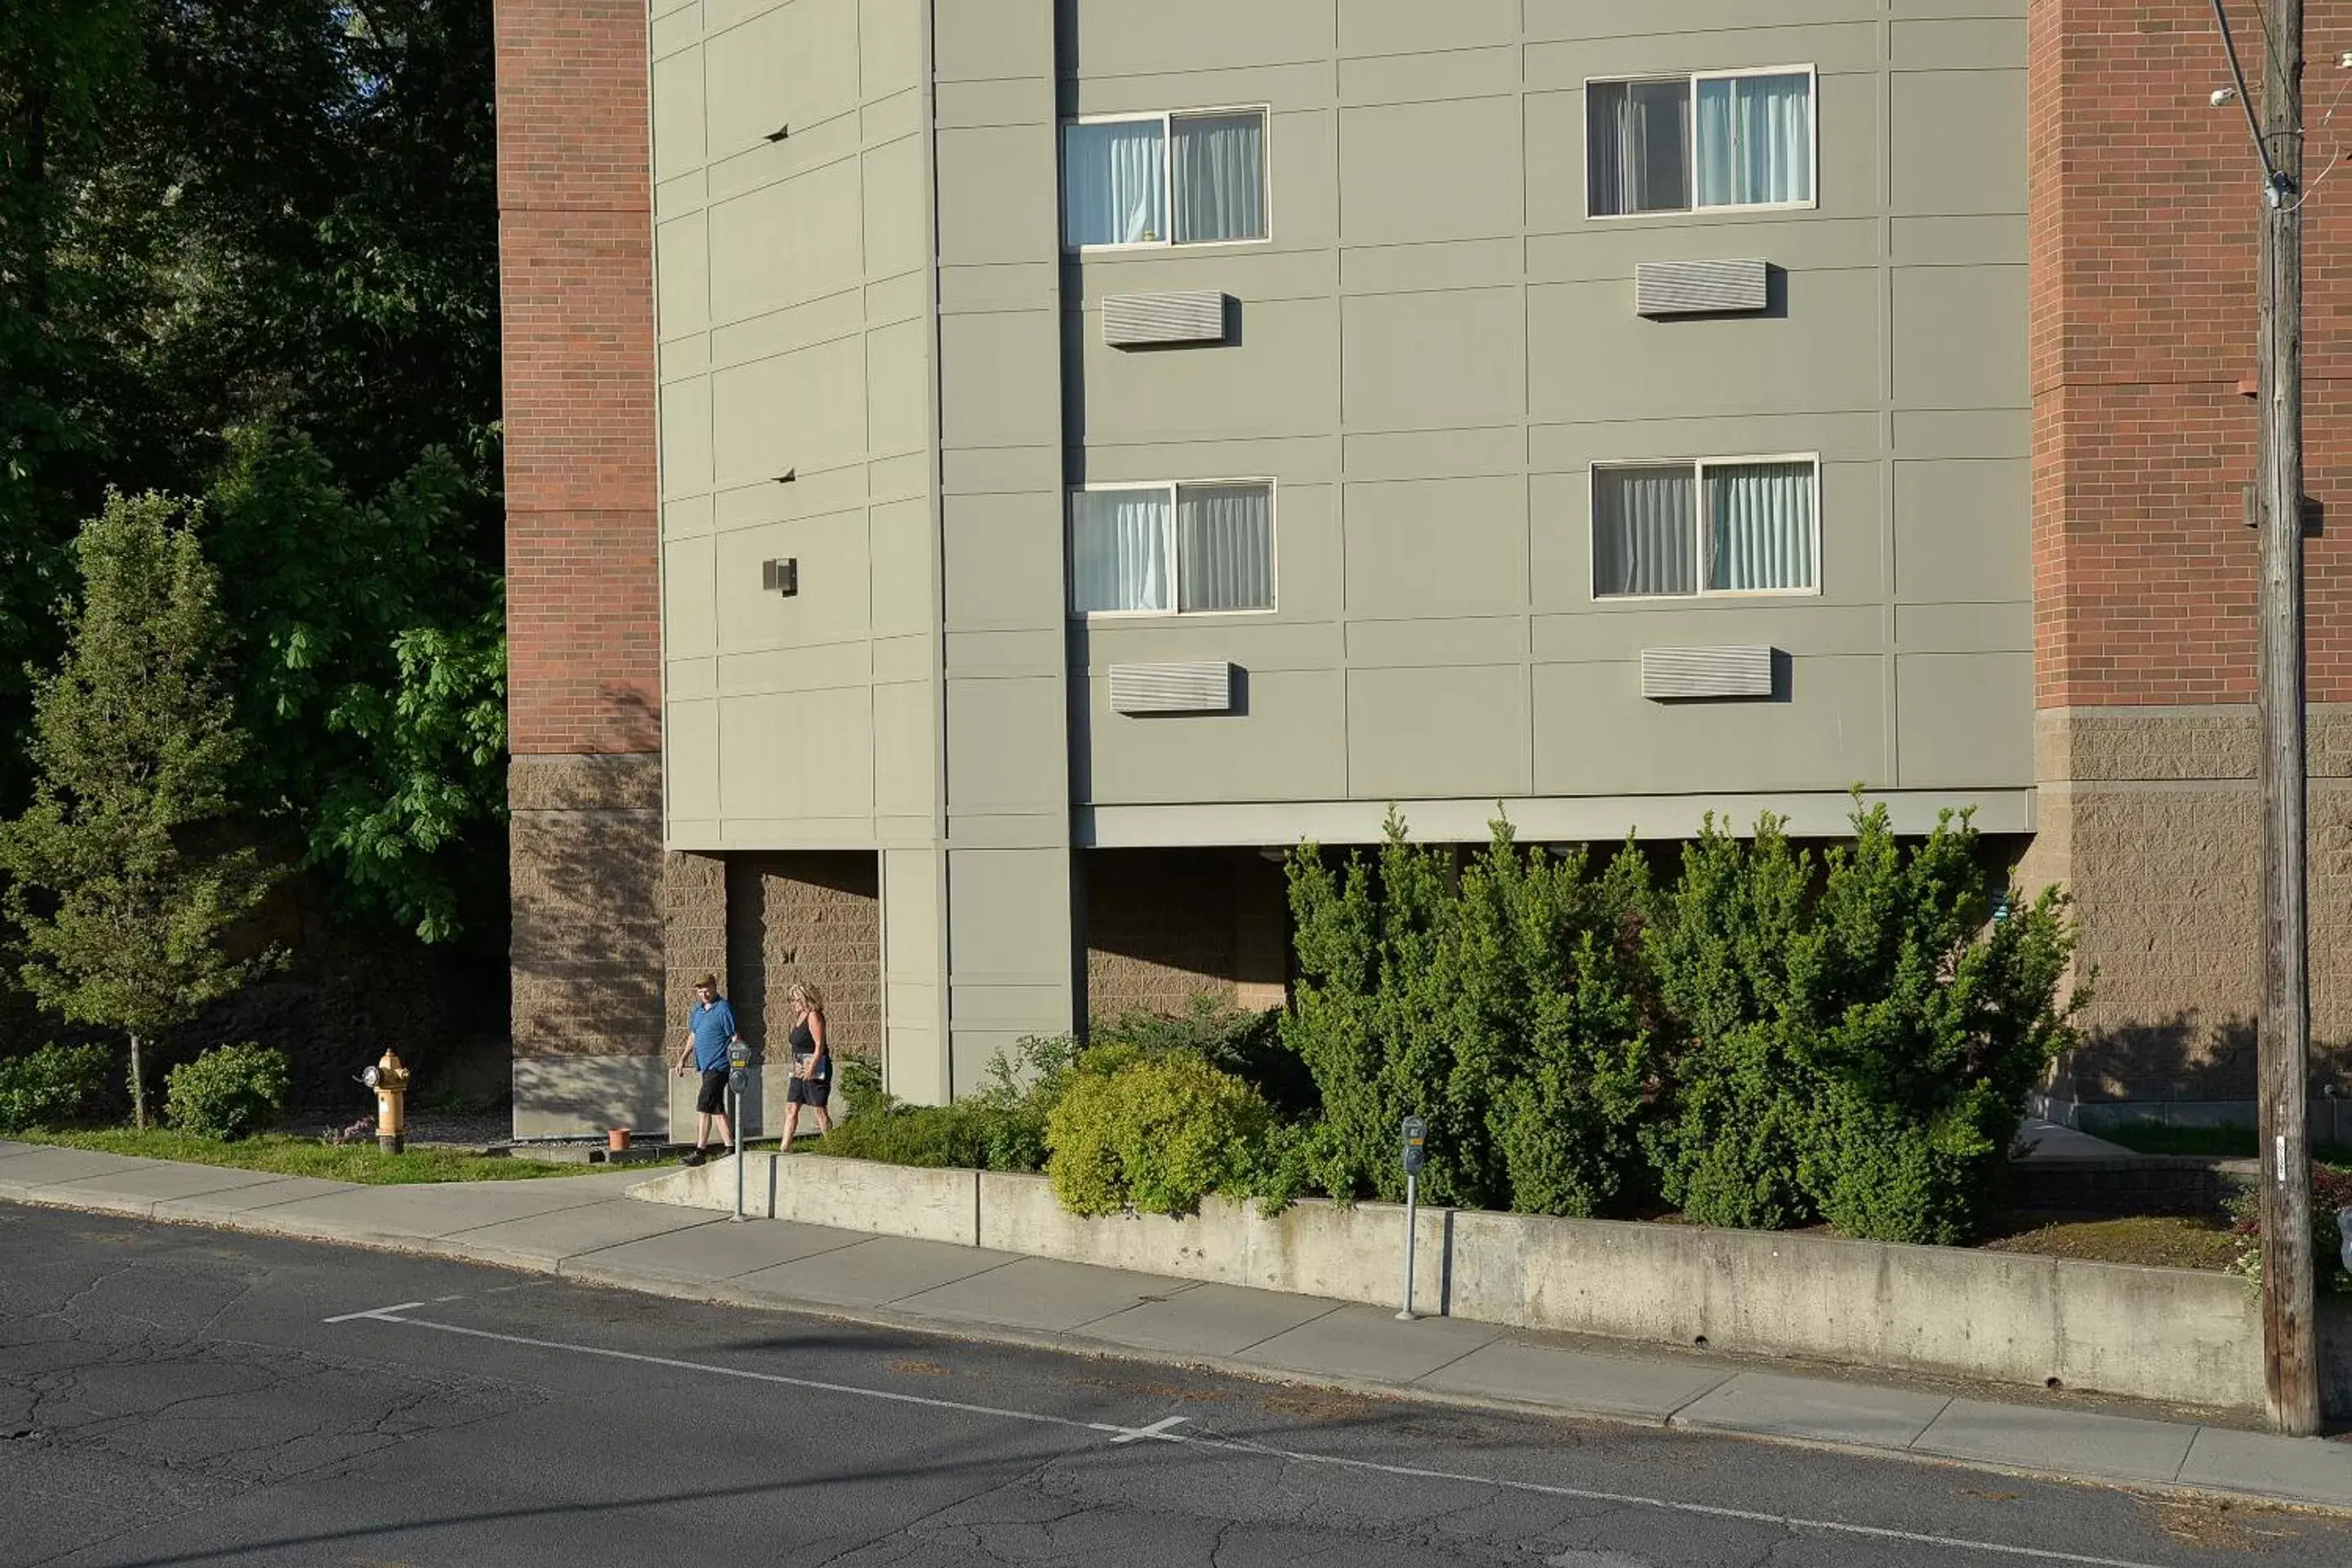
{"type": "Point", "coordinates": [1156, 1134]}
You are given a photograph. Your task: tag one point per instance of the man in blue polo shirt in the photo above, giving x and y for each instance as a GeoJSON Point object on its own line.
{"type": "Point", "coordinates": [709, 1030]}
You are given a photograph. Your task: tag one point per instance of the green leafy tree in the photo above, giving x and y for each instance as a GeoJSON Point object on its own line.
{"type": "Point", "coordinates": [372, 658]}
{"type": "Point", "coordinates": [72, 242]}
{"type": "Point", "coordinates": [123, 878]}
{"type": "Point", "coordinates": [248, 251]}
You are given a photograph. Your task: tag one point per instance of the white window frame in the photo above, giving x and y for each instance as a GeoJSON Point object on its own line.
{"type": "Point", "coordinates": [1699, 466]}
{"type": "Point", "coordinates": [1690, 139]}
{"type": "Point", "coordinates": [1175, 553]}
{"type": "Point", "coordinates": [1166, 119]}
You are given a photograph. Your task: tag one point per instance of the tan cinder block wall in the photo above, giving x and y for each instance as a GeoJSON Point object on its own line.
{"type": "Point", "coordinates": [694, 934]}
{"type": "Point", "coordinates": [584, 856]}
{"type": "Point", "coordinates": [2149, 817]}
{"type": "Point", "coordinates": [1164, 926]}
{"type": "Point", "coordinates": [811, 916]}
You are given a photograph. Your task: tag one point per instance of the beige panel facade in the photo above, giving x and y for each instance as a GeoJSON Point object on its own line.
{"type": "Point", "coordinates": [1440, 311]}
{"type": "Point", "coordinates": [1427, 356]}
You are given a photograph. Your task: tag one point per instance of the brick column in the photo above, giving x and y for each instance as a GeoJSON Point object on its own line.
{"type": "Point", "coordinates": [2143, 206]}
{"type": "Point", "coordinates": [582, 596]}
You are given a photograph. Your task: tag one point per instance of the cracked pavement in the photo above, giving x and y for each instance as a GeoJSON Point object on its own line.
{"type": "Point", "coordinates": [173, 1396]}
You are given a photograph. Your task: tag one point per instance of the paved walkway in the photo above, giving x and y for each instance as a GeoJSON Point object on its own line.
{"type": "Point", "coordinates": [2046, 1139]}
{"type": "Point", "coordinates": [584, 1228]}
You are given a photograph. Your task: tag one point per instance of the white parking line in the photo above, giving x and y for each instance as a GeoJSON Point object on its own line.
{"type": "Point", "coordinates": [1161, 1431]}
{"type": "Point", "coordinates": [385, 1313]}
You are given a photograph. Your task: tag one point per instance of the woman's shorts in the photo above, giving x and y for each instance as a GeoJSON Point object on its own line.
{"type": "Point", "coordinates": [816, 1091]}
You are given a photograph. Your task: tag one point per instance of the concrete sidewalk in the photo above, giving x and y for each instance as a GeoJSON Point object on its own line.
{"type": "Point", "coordinates": [585, 1228]}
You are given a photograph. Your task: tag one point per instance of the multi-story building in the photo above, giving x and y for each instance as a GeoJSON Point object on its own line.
{"type": "Point", "coordinates": [987, 475]}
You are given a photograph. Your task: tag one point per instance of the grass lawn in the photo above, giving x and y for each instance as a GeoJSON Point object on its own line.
{"type": "Point", "coordinates": [288, 1156]}
{"type": "Point", "coordinates": [2229, 1142]}
{"type": "Point", "coordinates": [2167, 1241]}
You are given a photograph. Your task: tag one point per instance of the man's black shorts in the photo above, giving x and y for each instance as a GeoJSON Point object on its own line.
{"type": "Point", "coordinates": [712, 1101]}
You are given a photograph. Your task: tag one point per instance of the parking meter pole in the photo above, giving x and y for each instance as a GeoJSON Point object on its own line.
{"type": "Point", "coordinates": [738, 1078]}
{"type": "Point", "coordinates": [1416, 1136]}
{"type": "Point", "coordinates": [1411, 1210]}
{"type": "Point", "coordinates": [735, 1125]}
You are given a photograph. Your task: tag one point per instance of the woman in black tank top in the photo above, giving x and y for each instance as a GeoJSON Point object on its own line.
{"type": "Point", "coordinates": [812, 1080]}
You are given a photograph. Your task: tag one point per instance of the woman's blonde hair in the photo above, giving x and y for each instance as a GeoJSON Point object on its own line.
{"type": "Point", "coordinates": [806, 995]}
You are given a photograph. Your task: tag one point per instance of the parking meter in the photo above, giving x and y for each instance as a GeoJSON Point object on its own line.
{"type": "Point", "coordinates": [738, 1078]}
{"type": "Point", "coordinates": [1416, 1138]}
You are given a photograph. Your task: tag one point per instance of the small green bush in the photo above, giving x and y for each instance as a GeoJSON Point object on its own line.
{"type": "Point", "coordinates": [228, 1092]}
{"type": "Point", "coordinates": [928, 1135]}
{"type": "Point", "coordinates": [861, 1084]}
{"type": "Point", "coordinates": [1001, 1127]}
{"type": "Point", "coordinates": [51, 1087]}
{"type": "Point", "coordinates": [1156, 1135]}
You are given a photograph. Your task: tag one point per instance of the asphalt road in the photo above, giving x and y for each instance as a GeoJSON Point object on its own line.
{"type": "Point", "coordinates": [175, 1395]}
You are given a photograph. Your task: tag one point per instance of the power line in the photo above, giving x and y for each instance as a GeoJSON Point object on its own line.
{"type": "Point", "coordinates": [2271, 176]}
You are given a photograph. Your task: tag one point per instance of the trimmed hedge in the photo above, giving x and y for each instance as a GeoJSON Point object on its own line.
{"type": "Point", "coordinates": [1774, 1037]}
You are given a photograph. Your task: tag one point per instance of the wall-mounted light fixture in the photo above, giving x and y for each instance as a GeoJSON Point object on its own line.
{"type": "Point", "coordinates": [781, 577]}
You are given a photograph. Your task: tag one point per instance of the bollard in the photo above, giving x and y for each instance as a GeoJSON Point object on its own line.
{"type": "Point", "coordinates": [1416, 1133]}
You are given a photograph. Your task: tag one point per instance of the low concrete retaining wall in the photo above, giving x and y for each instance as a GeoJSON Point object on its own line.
{"type": "Point", "coordinates": [2158, 1333]}
{"type": "Point", "coordinates": [1312, 1249]}
{"type": "Point", "coordinates": [2155, 1333]}
{"type": "Point", "coordinates": [856, 1194]}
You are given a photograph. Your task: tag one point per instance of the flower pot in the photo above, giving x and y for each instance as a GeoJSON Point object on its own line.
{"type": "Point", "coordinates": [617, 1139]}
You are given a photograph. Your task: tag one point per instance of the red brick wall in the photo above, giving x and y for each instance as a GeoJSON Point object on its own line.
{"type": "Point", "coordinates": [575, 243]}
{"type": "Point", "coordinates": [2144, 206]}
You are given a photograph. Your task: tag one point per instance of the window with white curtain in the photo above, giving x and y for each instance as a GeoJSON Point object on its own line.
{"type": "Point", "coordinates": [1188, 549]}
{"type": "Point", "coordinates": [1706, 140]}
{"type": "Point", "coordinates": [1719, 525]}
{"type": "Point", "coordinates": [1189, 178]}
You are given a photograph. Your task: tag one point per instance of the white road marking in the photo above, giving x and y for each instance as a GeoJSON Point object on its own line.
{"type": "Point", "coordinates": [1159, 1432]}
{"type": "Point", "coordinates": [383, 1312]}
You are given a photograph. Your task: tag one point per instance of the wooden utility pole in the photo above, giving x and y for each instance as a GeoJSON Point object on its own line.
{"type": "Point", "coordinates": [2290, 1339]}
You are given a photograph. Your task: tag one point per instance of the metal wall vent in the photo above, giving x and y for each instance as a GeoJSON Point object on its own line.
{"type": "Point", "coordinates": [1130, 320]}
{"type": "Point", "coordinates": [1198, 686]}
{"type": "Point", "coordinates": [1671, 674]}
{"type": "Point", "coordinates": [1698, 287]}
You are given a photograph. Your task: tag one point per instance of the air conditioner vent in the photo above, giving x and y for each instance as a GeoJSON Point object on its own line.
{"type": "Point", "coordinates": [1134, 320]}
{"type": "Point", "coordinates": [1677, 674]}
{"type": "Point", "coordinates": [1699, 288]}
{"type": "Point", "coordinates": [1197, 686]}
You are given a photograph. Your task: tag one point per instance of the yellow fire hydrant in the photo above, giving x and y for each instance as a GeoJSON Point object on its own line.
{"type": "Point", "coordinates": [390, 1081]}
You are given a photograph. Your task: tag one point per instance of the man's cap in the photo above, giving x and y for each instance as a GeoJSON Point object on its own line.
{"type": "Point", "coordinates": [708, 982]}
